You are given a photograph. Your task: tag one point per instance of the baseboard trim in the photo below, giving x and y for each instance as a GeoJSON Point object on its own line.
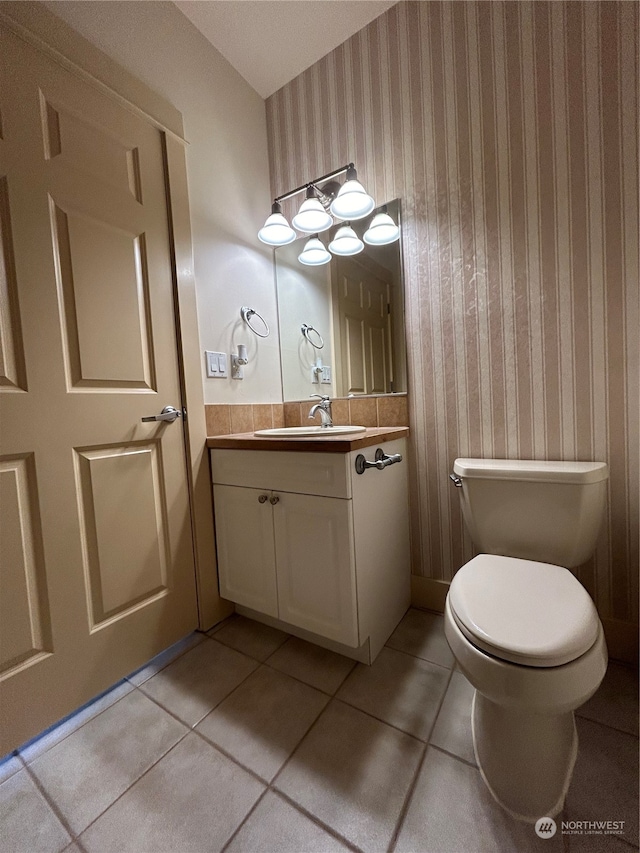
{"type": "Point", "coordinates": [622, 637]}
{"type": "Point", "coordinates": [428, 593]}
{"type": "Point", "coordinates": [622, 640]}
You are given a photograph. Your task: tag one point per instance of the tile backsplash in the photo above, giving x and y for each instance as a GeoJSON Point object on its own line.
{"type": "Point", "coordinates": [364, 411]}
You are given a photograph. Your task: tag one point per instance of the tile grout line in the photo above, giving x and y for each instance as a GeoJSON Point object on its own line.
{"type": "Point", "coordinates": [608, 726]}
{"type": "Point", "coordinates": [418, 657]}
{"type": "Point", "coordinates": [230, 757]}
{"type": "Point", "coordinates": [50, 802]}
{"type": "Point", "coordinates": [133, 784]}
{"type": "Point", "coordinates": [279, 646]}
{"type": "Point", "coordinates": [380, 720]}
{"type": "Point", "coordinates": [453, 755]}
{"type": "Point", "coordinates": [166, 710]}
{"type": "Point", "coordinates": [409, 795]}
{"type": "Point", "coordinates": [244, 820]}
{"type": "Point", "coordinates": [316, 820]}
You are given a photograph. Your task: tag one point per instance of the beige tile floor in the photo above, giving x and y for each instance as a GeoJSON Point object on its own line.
{"type": "Point", "coordinates": [247, 739]}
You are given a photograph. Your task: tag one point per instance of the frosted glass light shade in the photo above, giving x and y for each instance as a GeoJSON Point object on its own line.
{"type": "Point", "coordinates": [314, 253]}
{"type": "Point", "coordinates": [352, 201]}
{"type": "Point", "coordinates": [383, 230]}
{"type": "Point", "coordinates": [312, 217]}
{"type": "Point", "coordinates": [346, 242]}
{"type": "Point", "coordinates": [276, 231]}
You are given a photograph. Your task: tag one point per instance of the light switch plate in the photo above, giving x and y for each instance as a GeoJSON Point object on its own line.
{"type": "Point", "coordinates": [216, 363]}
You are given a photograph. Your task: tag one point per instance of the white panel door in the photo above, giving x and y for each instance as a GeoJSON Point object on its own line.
{"type": "Point", "coordinates": [97, 564]}
{"type": "Point", "coordinates": [316, 565]}
{"type": "Point", "coordinates": [363, 320]}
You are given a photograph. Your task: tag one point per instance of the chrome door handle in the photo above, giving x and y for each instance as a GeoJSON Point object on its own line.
{"type": "Point", "coordinates": [263, 499]}
{"type": "Point", "coordinates": [273, 500]}
{"type": "Point", "coordinates": [167, 414]}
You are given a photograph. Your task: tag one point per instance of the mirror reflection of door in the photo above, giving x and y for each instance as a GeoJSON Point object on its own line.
{"type": "Point", "coordinates": [363, 323]}
{"type": "Point", "coordinates": [357, 304]}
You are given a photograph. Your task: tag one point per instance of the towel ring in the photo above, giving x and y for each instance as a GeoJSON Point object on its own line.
{"type": "Point", "coordinates": [306, 331]}
{"type": "Point", "coordinates": [247, 314]}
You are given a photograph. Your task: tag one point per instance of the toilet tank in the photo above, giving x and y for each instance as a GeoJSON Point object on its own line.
{"type": "Point", "coordinates": [545, 511]}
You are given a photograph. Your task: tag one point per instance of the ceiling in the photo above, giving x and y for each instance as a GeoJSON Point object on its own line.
{"type": "Point", "coordinates": [269, 42]}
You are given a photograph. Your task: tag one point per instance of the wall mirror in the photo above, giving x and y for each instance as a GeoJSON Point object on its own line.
{"type": "Point", "coordinates": [342, 324]}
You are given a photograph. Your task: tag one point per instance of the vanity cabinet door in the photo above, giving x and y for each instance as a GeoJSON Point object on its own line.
{"type": "Point", "coordinates": [246, 554]}
{"type": "Point", "coordinates": [316, 565]}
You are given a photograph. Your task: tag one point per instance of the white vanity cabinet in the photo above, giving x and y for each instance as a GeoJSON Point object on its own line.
{"type": "Point", "coordinates": [307, 543]}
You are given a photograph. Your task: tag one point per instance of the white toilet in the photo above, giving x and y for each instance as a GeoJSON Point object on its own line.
{"type": "Point", "coordinates": [523, 630]}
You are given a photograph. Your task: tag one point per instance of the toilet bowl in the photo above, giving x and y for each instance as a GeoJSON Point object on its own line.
{"type": "Point", "coordinates": [524, 631]}
{"type": "Point", "coordinates": [529, 673]}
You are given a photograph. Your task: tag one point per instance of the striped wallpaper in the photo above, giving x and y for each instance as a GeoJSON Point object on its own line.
{"type": "Point", "coordinates": [510, 131]}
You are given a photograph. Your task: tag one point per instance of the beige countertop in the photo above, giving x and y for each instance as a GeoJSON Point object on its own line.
{"type": "Point", "coordinates": [308, 444]}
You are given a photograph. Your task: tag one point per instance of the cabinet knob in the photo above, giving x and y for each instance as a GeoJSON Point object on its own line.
{"type": "Point", "coordinates": [274, 499]}
{"type": "Point", "coordinates": [263, 499]}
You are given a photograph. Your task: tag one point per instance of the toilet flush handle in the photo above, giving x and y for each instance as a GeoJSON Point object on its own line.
{"type": "Point", "coordinates": [457, 482]}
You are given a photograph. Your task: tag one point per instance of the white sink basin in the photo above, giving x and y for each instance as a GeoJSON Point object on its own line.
{"type": "Point", "coordinates": [302, 432]}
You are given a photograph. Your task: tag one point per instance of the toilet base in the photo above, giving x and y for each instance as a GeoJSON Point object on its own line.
{"type": "Point", "coordinates": [526, 759]}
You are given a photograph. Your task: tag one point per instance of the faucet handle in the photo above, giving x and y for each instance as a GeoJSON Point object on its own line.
{"type": "Point", "coordinates": [324, 397]}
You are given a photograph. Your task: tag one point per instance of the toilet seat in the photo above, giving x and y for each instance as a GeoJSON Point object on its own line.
{"type": "Point", "coordinates": [529, 613]}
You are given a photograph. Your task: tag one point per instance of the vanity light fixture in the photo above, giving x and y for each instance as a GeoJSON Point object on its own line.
{"type": "Point", "coordinates": [322, 194]}
{"type": "Point", "coordinates": [314, 253]}
{"type": "Point", "coordinates": [352, 201]}
{"type": "Point", "coordinates": [276, 231]}
{"type": "Point", "coordinates": [382, 231]}
{"type": "Point", "coordinates": [346, 242]}
{"type": "Point", "coordinates": [325, 196]}
{"type": "Point", "coordinates": [312, 217]}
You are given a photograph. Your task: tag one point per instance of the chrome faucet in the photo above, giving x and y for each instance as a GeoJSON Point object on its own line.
{"type": "Point", "coordinates": [324, 407]}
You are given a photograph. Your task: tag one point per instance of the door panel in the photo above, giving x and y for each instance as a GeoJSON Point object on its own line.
{"type": "Point", "coordinates": [104, 295]}
{"type": "Point", "coordinates": [354, 335]}
{"type": "Point", "coordinates": [98, 567]}
{"type": "Point", "coordinates": [122, 486]}
{"type": "Point", "coordinates": [378, 347]}
{"type": "Point", "coordinates": [25, 626]}
{"type": "Point", "coordinates": [12, 368]}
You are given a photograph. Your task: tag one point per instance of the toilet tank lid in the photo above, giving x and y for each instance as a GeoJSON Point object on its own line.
{"type": "Point", "coordinates": [532, 470]}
